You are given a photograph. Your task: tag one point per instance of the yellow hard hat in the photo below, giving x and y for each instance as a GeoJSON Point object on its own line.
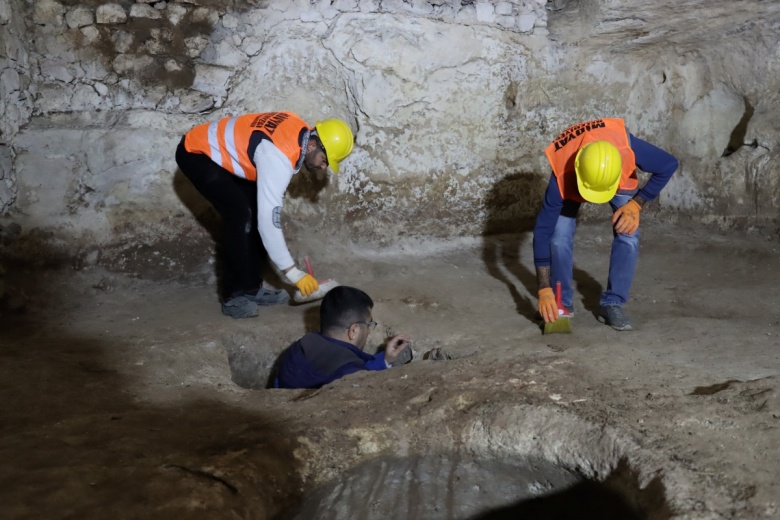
{"type": "Point", "coordinates": [598, 166]}
{"type": "Point", "coordinates": [337, 139]}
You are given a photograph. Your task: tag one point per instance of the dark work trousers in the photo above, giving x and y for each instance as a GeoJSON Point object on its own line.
{"type": "Point", "coordinates": [243, 254]}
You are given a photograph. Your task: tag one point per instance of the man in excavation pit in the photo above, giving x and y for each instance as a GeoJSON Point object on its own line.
{"type": "Point", "coordinates": [337, 350]}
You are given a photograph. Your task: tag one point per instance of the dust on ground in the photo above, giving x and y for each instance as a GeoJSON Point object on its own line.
{"type": "Point", "coordinates": [120, 394]}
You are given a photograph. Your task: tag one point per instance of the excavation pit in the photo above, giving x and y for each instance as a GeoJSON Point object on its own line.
{"type": "Point", "coordinates": [468, 488]}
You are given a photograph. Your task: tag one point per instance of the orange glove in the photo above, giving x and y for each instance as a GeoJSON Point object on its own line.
{"type": "Point", "coordinates": [626, 218]}
{"type": "Point", "coordinates": [547, 306]}
{"type": "Point", "coordinates": [305, 283]}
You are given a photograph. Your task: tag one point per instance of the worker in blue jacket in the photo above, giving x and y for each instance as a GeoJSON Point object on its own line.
{"type": "Point", "coordinates": [595, 161]}
{"type": "Point", "coordinates": [337, 350]}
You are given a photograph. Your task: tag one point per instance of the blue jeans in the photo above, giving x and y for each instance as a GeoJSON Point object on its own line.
{"type": "Point", "coordinates": [622, 260]}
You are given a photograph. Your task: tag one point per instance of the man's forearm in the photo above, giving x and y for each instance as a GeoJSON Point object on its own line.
{"type": "Point", "coordinates": [543, 276]}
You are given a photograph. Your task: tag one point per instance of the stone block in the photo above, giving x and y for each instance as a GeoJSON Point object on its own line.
{"type": "Point", "coordinates": [159, 41]}
{"type": "Point", "coordinates": [101, 89]}
{"type": "Point", "coordinates": [204, 14]}
{"type": "Point", "coordinates": [48, 12]}
{"type": "Point", "coordinates": [110, 13]}
{"type": "Point", "coordinates": [175, 12]}
{"type": "Point", "coordinates": [91, 34]}
{"type": "Point", "coordinates": [5, 12]}
{"type": "Point", "coordinates": [123, 40]}
{"type": "Point", "coordinates": [210, 79]}
{"type": "Point", "coordinates": [79, 17]}
{"type": "Point", "coordinates": [503, 8]}
{"type": "Point", "coordinates": [485, 13]}
{"type": "Point", "coordinates": [9, 81]}
{"type": "Point", "coordinates": [56, 70]}
{"type": "Point", "coordinates": [191, 102]}
{"type": "Point", "coordinates": [195, 45]}
{"type": "Point", "coordinates": [125, 63]}
{"type": "Point", "coordinates": [230, 21]}
{"type": "Point", "coordinates": [172, 66]}
{"type": "Point", "coordinates": [525, 23]}
{"type": "Point", "coordinates": [506, 21]}
{"type": "Point", "coordinates": [84, 97]}
{"type": "Point", "coordinates": [145, 11]}
{"type": "Point", "coordinates": [227, 55]}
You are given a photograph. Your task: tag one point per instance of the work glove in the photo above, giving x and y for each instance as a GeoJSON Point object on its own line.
{"type": "Point", "coordinates": [547, 306]}
{"type": "Point", "coordinates": [626, 218]}
{"type": "Point", "coordinates": [305, 283]}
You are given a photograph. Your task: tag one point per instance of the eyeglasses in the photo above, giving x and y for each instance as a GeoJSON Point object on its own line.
{"type": "Point", "coordinates": [370, 324]}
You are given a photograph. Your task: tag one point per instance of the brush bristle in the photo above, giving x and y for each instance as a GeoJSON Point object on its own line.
{"type": "Point", "coordinates": [560, 326]}
{"type": "Point", "coordinates": [325, 286]}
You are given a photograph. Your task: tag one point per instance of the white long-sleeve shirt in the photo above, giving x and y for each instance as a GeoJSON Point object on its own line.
{"type": "Point", "coordinates": [274, 174]}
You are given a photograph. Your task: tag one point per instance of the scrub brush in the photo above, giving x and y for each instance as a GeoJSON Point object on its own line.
{"type": "Point", "coordinates": [325, 286]}
{"type": "Point", "coordinates": [563, 324]}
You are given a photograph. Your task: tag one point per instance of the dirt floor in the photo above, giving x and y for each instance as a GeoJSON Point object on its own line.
{"type": "Point", "coordinates": [125, 397]}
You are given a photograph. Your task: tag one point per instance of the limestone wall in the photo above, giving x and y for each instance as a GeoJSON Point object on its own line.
{"type": "Point", "coordinates": [452, 102]}
{"type": "Point", "coordinates": [16, 92]}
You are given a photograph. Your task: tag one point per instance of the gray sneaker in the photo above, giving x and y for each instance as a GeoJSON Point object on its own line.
{"type": "Point", "coordinates": [269, 297]}
{"type": "Point", "coordinates": [614, 316]}
{"type": "Point", "coordinates": [240, 307]}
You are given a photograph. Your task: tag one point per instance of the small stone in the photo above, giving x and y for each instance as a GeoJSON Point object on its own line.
{"type": "Point", "coordinates": [175, 12]}
{"type": "Point", "coordinates": [91, 34]}
{"type": "Point", "coordinates": [101, 89]}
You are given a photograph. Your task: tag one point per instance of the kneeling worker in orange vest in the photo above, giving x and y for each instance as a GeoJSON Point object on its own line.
{"type": "Point", "coordinates": [243, 165]}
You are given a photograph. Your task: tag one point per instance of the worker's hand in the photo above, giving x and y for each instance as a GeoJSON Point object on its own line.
{"type": "Point", "coordinates": [305, 283]}
{"type": "Point", "coordinates": [626, 218]}
{"type": "Point", "coordinates": [395, 346]}
{"type": "Point", "coordinates": [547, 306]}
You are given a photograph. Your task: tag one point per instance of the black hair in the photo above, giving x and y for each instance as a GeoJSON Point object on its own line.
{"type": "Point", "coordinates": [342, 307]}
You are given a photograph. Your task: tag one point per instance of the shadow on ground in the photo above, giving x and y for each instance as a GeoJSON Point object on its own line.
{"type": "Point", "coordinates": [92, 450]}
{"type": "Point", "coordinates": [511, 207]}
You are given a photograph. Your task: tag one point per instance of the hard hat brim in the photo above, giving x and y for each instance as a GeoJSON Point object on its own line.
{"type": "Point", "coordinates": [597, 197]}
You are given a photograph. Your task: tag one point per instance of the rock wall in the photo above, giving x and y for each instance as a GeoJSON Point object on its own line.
{"type": "Point", "coordinates": [16, 92]}
{"type": "Point", "coordinates": [452, 102]}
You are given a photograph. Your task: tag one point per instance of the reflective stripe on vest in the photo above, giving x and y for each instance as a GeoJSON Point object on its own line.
{"type": "Point", "coordinates": [227, 141]}
{"type": "Point", "coordinates": [563, 150]}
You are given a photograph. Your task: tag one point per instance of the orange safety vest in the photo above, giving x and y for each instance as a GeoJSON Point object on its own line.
{"type": "Point", "coordinates": [231, 142]}
{"type": "Point", "coordinates": [564, 148]}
